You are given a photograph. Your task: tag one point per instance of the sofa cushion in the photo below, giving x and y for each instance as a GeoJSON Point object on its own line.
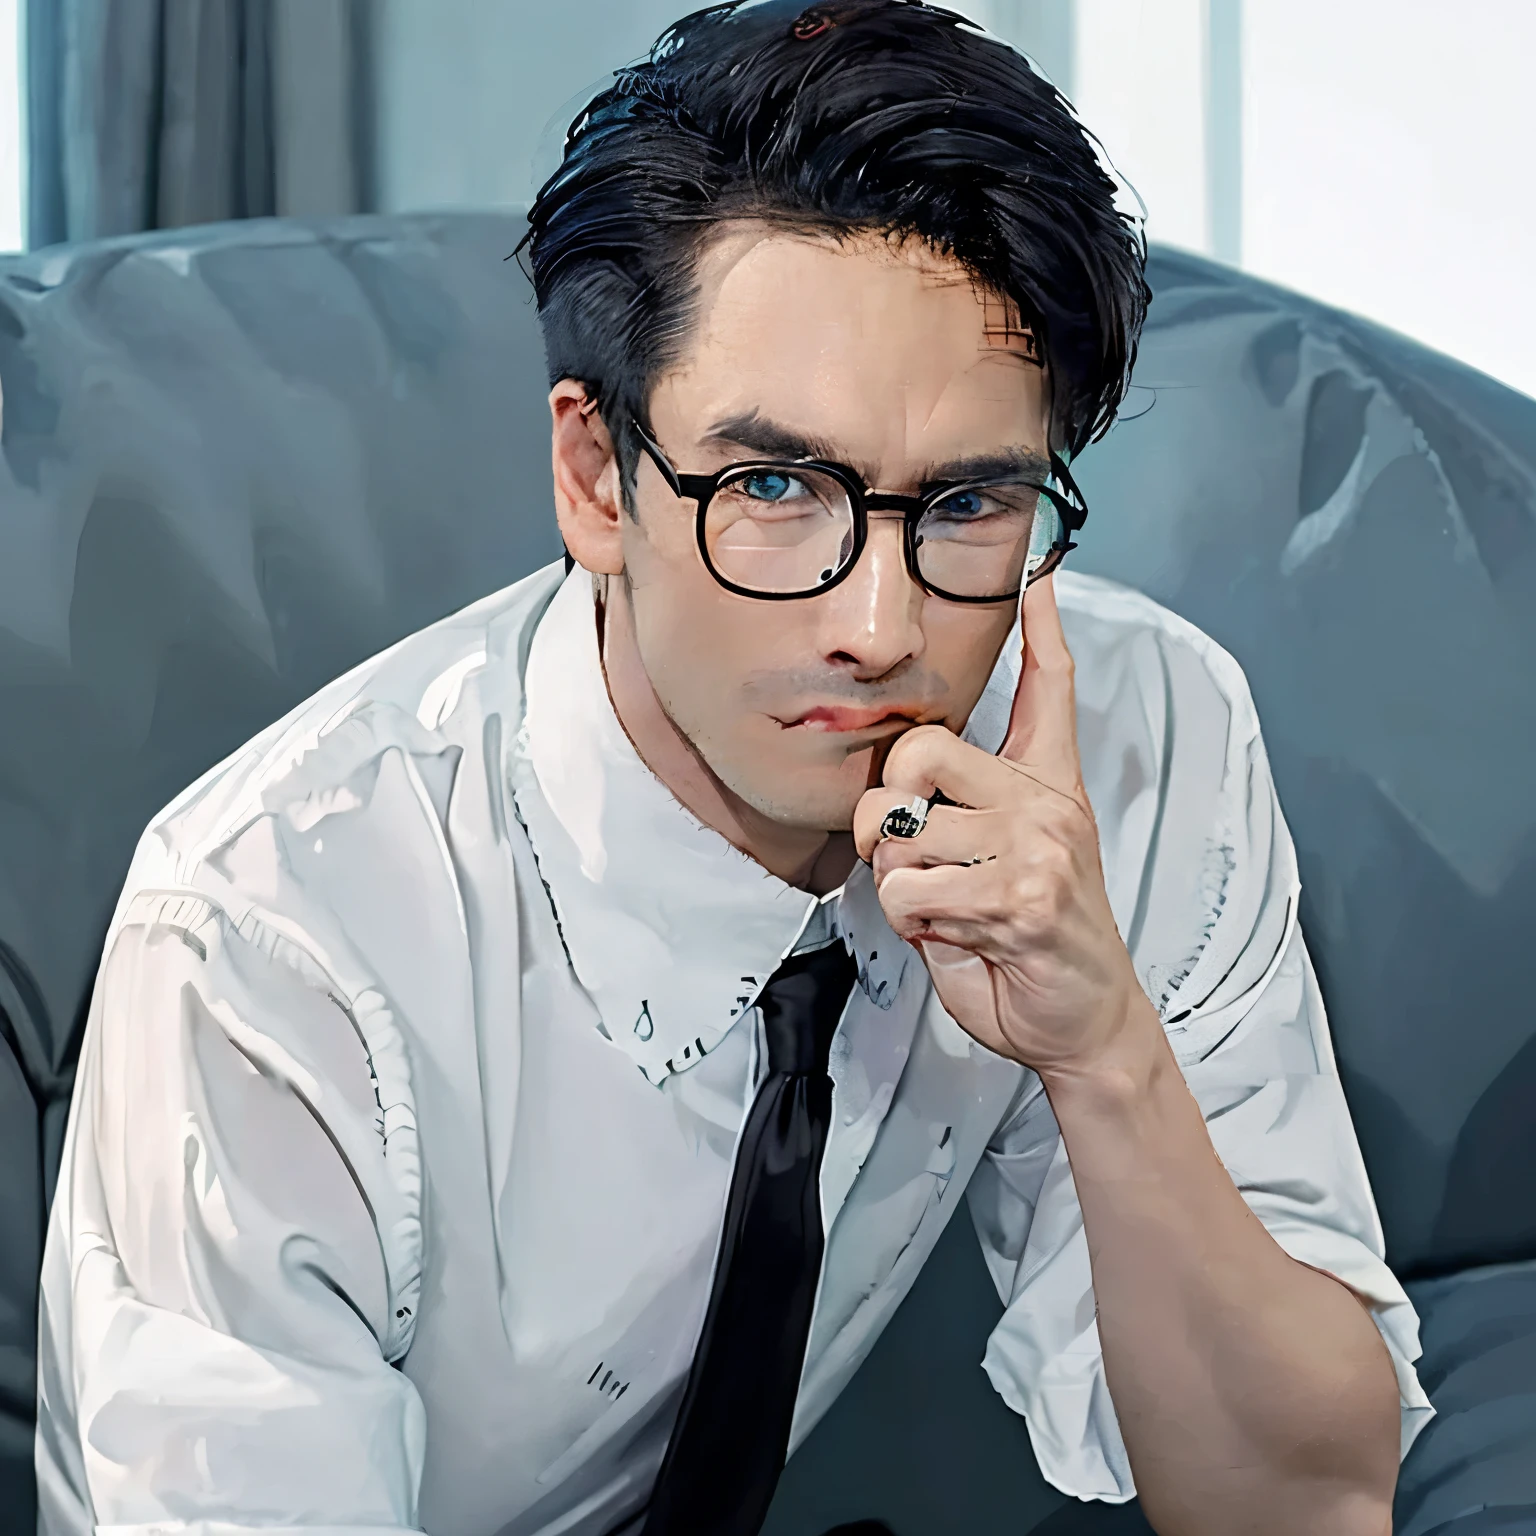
{"type": "Point", "coordinates": [1473, 1469]}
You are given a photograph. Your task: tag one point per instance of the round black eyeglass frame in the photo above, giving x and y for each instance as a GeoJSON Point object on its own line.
{"type": "Point", "coordinates": [862, 499]}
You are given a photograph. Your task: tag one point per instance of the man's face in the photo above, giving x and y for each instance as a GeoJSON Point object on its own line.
{"type": "Point", "coordinates": [887, 359]}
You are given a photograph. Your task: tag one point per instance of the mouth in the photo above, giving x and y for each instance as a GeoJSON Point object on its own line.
{"type": "Point", "coordinates": [838, 718]}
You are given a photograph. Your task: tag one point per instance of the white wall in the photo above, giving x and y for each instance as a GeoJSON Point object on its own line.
{"type": "Point", "coordinates": [1389, 149]}
{"type": "Point", "coordinates": [1140, 87]}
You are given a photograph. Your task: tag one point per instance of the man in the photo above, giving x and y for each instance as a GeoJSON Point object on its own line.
{"type": "Point", "coordinates": [523, 1082]}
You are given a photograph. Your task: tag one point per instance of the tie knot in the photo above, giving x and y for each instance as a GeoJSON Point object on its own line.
{"type": "Point", "coordinates": [801, 1005]}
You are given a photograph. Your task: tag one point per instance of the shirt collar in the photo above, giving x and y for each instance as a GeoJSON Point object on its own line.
{"type": "Point", "coordinates": [670, 929]}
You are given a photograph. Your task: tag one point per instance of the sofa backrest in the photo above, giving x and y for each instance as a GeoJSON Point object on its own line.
{"type": "Point", "coordinates": [236, 460]}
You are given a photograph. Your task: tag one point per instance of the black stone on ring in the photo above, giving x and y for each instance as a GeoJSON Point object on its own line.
{"type": "Point", "coordinates": [905, 820]}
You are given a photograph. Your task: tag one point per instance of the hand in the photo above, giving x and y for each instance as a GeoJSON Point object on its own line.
{"type": "Point", "coordinates": [1003, 892]}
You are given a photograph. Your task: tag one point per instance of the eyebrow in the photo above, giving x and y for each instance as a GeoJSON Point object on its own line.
{"type": "Point", "coordinates": [774, 440]}
{"type": "Point", "coordinates": [1000, 464]}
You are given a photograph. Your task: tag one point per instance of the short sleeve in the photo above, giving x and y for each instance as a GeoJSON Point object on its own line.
{"type": "Point", "coordinates": [1246, 1020]}
{"type": "Point", "coordinates": [229, 1268]}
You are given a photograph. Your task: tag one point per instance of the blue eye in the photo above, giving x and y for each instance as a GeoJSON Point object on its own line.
{"type": "Point", "coordinates": [767, 485]}
{"type": "Point", "coordinates": [962, 504]}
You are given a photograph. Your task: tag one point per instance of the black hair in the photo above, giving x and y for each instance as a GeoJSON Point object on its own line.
{"type": "Point", "coordinates": [888, 116]}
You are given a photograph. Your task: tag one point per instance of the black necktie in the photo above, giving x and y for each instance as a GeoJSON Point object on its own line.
{"type": "Point", "coordinates": [732, 1433]}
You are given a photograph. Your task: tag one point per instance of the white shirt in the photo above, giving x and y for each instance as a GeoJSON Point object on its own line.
{"type": "Point", "coordinates": [420, 1046]}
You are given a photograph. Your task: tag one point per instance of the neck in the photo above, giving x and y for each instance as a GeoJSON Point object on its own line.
{"type": "Point", "coordinates": [816, 861]}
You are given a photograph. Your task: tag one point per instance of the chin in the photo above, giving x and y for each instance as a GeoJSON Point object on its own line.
{"type": "Point", "coordinates": [819, 799]}
{"type": "Point", "coordinates": [815, 788]}
{"type": "Point", "coordinates": [814, 814]}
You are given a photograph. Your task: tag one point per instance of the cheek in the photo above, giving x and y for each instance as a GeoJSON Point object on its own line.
{"type": "Point", "coordinates": [658, 542]}
{"type": "Point", "coordinates": [962, 645]}
{"type": "Point", "coordinates": [695, 643]}
{"type": "Point", "coordinates": [670, 591]}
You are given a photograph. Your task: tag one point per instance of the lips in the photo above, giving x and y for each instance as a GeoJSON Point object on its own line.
{"type": "Point", "coordinates": [840, 718]}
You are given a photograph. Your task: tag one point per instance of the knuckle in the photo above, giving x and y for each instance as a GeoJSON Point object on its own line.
{"type": "Point", "coordinates": [1036, 901]}
{"type": "Point", "coordinates": [1063, 823]}
{"type": "Point", "coordinates": [1029, 923]}
{"type": "Point", "coordinates": [922, 744]}
{"type": "Point", "coordinates": [1022, 898]}
{"type": "Point", "coordinates": [1059, 862]}
{"type": "Point", "coordinates": [892, 856]}
{"type": "Point", "coordinates": [1048, 859]}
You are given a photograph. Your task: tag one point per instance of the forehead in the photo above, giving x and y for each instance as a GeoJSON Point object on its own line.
{"type": "Point", "coordinates": [754, 278]}
{"type": "Point", "coordinates": [891, 347]}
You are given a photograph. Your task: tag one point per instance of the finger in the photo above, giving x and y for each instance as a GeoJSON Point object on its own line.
{"type": "Point", "coordinates": [870, 813]}
{"type": "Point", "coordinates": [951, 836]}
{"type": "Point", "coordinates": [869, 816]}
{"type": "Point", "coordinates": [964, 983]}
{"type": "Point", "coordinates": [947, 902]}
{"type": "Point", "coordinates": [1042, 728]}
{"type": "Point", "coordinates": [929, 758]}
{"type": "Point", "coordinates": [951, 833]}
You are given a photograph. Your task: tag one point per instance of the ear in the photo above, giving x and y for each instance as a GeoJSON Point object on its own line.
{"type": "Point", "coordinates": [588, 501]}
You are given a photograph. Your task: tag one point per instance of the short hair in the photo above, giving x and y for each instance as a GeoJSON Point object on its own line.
{"type": "Point", "coordinates": [886, 116]}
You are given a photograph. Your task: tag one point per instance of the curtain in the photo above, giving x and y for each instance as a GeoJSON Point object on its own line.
{"type": "Point", "coordinates": [150, 114]}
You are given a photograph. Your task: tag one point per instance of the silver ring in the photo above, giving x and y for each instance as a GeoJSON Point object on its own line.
{"type": "Point", "coordinates": [905, 820]}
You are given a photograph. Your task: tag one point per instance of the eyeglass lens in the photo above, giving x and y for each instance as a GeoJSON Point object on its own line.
{"type": "Point", "coordinates": [786, 528]}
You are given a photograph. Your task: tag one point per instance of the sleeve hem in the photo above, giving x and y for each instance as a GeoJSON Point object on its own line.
{"type": "Point", "coordinates": [1397, 1324]}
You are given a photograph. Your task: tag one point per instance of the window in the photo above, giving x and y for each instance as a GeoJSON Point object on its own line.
{"type": "Point", "coordinates": [1374, 154]}
{"type": "Point", "coordinates": [12, 140]}
{"type": "Point", "coordinates": [1387, 149]}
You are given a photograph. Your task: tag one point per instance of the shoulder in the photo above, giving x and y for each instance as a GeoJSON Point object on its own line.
{"type": "Point", "coordinates": [1120, 637]}
{"type": "Point", "coordinates": [300, 909]}
{"type": "Point", "coordinates": [1199, 863]}
{"type": "Point", "coordinates": [1141, 673]}
{"type": "Point", "coordinates": [413, 702]}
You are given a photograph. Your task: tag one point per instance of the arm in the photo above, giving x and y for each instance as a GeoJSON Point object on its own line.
{"type": "Point", "coordinates": [1253, 1392]}
{"type": "Point", "coordinates": [1219, 1338]}
{"type": "Point", "coordinates": [217, 1290]}
{"type": "Point", "coordinates": [1260, 1073]}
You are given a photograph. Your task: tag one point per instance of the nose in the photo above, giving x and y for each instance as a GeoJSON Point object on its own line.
{"type": "Point", "coordinates": [871, 622]}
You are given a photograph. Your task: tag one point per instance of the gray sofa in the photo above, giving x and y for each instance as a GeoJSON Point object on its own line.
{"type": "Point", "coordinates": [237, 459]}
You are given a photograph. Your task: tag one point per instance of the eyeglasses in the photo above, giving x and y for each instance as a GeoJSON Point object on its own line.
{"type": "Point", "coordinates": [784, 529]}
